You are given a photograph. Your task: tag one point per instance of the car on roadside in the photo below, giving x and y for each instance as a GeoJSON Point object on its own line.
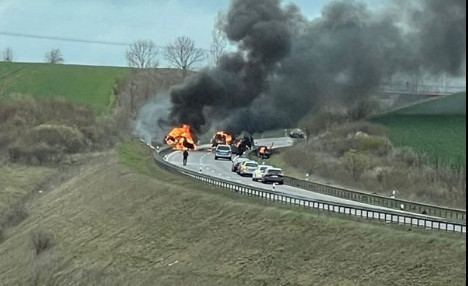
{"type": "Point", "coordinates": [236, 163]}
{"type": "Point", "coordinates": [247, 168]}
{"type": "Point", "coordinates": [273, 175]}
{"type": "Point", "coordinates": [297, 134]}
{"type": "Point", "coordinates": [258, 174]}
{"type": "Point", "coordinates": [223, 152]}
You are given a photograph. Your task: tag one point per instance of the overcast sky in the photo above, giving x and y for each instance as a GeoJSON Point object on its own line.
{"type": "Point", "coordinates": [116, 21]}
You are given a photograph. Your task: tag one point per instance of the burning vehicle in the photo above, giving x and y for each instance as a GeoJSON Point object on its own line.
{"type": "Point", "coordinates": [221, 138]}
{"type": "Point", "coordinates": [240, 145]}
{"type": "Point", "coordinates": [181, 138]}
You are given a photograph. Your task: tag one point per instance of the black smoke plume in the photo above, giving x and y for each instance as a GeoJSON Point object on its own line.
{"type": "Point", "coordinates": [287, 66]}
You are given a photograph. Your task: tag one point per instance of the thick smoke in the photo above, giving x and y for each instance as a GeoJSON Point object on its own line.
{"type": "Point", "coordinates": [441, 38]}
{"type": "Point", "coordinates": [261, 29]}
{"type": "Point", "coordinates": [158, 108]}
{"type": "Point", "coordinates": [287, 66]}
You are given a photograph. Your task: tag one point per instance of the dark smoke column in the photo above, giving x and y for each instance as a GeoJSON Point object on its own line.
{"type": "Point", "coordinates": [261, 30]}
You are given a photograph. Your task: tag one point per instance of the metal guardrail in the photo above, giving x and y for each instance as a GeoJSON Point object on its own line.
{"type": "Point", "coordinates": [452, 214]}
{"type": "Point", "coordinates": [391, 217]}
{"type": "Point", "coordinates": [426, 89]}
{"type": "Point", "coordinates": [455, 215]}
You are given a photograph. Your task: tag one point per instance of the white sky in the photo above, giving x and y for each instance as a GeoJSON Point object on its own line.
{"type": "Point", "coordinates": [123, 21]}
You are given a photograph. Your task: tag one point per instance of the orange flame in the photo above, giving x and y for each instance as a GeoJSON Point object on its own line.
{"type": "Point", "coordinates": [180, 138]}
{"type": "Point", "coordinates": [220, 135]}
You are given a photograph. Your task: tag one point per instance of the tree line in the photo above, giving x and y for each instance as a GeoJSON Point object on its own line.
{"type": "Point", "coordinates": [53, 56]}
{"type": "Point", "coordinates": [182, 53]}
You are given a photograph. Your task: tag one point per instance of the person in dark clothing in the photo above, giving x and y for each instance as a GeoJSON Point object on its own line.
{"type": "Point", "coordinates": [186, 153]}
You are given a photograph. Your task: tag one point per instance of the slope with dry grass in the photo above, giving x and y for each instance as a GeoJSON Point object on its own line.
{"type": "Point", "coordinates": [130, 223]}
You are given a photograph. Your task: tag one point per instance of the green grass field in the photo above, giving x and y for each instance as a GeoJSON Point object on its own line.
{"type": "Point", "coordinates": [436, 127]}
{"type": "Point", "coordinates": [87, 85]}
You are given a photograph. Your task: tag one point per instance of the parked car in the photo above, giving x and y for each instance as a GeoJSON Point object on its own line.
{"type": "Point", "coordinates": [223, 151]}
{"type": "Point", "coordinates": [273, 175]}
{"type": "Point", "coordinates": [236, 162]}
{"type": "Point", "coordinates": [247, 168]}
{"type": "Point", "coordinates": [297, 134]}
{"type": "Point", "coordinates": [258, 174]}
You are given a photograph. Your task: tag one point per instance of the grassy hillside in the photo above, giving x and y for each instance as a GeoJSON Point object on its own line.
{"type": "Point", "coordinates": [134, 224]}
{"type": "Point", "coordinates": [436, 127]}
{"type": "Point", "coordinates": [81, 84]}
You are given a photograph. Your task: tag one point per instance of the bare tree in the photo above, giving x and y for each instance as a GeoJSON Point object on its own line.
{"type": "Point", "coordinates": [219, 43]}
{"type": "Point", "coordinates": [217, 47]}
{"type": "Point", "coordinates": [183, 53]}
{"type": "Point", "coordinates": [7, 55]}
{"type": "Point", "coordinates": [54, 57]}
{"type": "Point", "coordinates": [142, 55]}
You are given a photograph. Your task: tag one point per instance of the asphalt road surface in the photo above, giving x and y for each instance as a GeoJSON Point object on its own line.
{"type": "Point", "coordinates": [203, 161]}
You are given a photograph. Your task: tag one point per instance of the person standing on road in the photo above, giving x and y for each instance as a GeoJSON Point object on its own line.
{"type": "Point", "coordinates": [185, 154]}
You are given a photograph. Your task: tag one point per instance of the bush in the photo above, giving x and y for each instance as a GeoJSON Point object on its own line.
{"type": "Point", "coordinates": [355, 163]}
{"type": "Point", "coordinates": [58, 136]}
{"type": "Point", "coordinates": [372, 144]}
{"type": "Point", "coordinates": [35, 154]}
{"type": "Point", "coordinates": [408, 156]}
{"type": "Point", "coordinates": [38, 131]}
{"type": "Point", "coordinates": [41, 241]}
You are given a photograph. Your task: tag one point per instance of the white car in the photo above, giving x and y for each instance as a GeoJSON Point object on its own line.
{"type": "Point", "coordinates": [247, 168]}
{"type": "Point", "coordinates": [223, 151]}
{"type": "Point", "coordinates": [236, 163]}
{"type": "Point", "coordinates": [258, 174]}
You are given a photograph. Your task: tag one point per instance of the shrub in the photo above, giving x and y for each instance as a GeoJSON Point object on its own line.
{"type": "Point", "coordinates": [41, 241]}
{"type": "Point", "coordinates": [35, 154]}
{"type": "Point", "coordinates": [408, 156]}
{"type": "Point", "coordinates": [355, 163]}
{"type": "Point", "coordinates": [39, 131]}
{"type": "Point", "coordinates": [70, 139]}
{"type": "Point", "coordinates": [376, 145]}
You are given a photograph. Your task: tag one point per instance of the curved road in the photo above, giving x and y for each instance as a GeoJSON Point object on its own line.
{"type": "Point", "coordinates": [203, 161]}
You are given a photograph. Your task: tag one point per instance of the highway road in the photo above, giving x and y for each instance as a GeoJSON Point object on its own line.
{"type": "Point", "coordinates": [203, 161]}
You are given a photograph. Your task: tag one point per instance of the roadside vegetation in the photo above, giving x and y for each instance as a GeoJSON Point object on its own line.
{"type": "Point", "coordinates": [47, 131]}
{"type": "Point", "coordinates": [159, 228]}
{"type": "Point", "coordinates": [420, 157]}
